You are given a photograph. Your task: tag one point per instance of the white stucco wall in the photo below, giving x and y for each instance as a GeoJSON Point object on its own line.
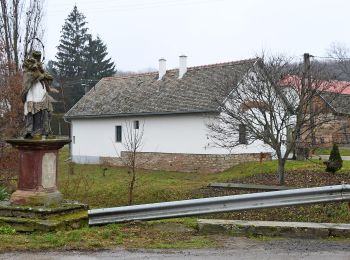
{"type": "Point", "coordinates": [185, 133]}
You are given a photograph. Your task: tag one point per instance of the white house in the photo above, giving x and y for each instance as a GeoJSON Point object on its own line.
{"type": "Point", "coordinates": [172, 107]}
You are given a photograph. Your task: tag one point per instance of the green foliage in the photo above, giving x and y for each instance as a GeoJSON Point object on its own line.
{"type": "Point", "coordinates": [96, 63]}
{"type": "Point", "coordinates": [7, 230]}
{"type": "Point", "coordinates": [71, 48]}
{"type": "Point", "coordinates": [80, 60]}
{"type": "Point", "coordinates": [3, 193]}
{"type": "Point", "coordinates": [74, 235]}
{"type": "Point", "coordinates": [335, 161]}
{"type": "Point", "coordinates": [87, 185]}
{"type": "Point", "coordinates": [344, 151]}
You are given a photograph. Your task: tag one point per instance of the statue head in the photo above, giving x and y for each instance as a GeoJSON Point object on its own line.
{"type": "Point", "coordinates": [36, 55]}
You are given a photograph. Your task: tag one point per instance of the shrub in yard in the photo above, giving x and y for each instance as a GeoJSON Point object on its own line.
{"type": "Point", "coordinates": [3, 193]}
{"type": "Point", "coordinates": [7, 230]}
{"type": "Point", "coordinates": [335, 161]}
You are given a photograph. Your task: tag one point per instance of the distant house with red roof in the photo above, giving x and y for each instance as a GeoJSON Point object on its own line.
{"type": "Point", "coordinates": [333, 100]}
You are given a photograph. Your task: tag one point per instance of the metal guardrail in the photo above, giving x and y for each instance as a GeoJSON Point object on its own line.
{"type": "Point", "coordinates": [193, 207]}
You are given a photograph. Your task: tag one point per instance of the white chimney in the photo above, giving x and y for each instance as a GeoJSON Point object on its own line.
{"type": "Point", "coordinates": [182, 66]}
{"type": "Point", "coordinates": [162, 68]}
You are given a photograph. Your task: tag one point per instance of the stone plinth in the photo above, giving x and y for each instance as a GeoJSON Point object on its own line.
{"type": "Point", "coordinates": [37, 178]}
{"type": "Point", "coordinates": [66, 216]}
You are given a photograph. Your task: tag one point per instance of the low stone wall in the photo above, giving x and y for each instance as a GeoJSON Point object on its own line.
{"type": "Point", "coordinates": [187, 162]}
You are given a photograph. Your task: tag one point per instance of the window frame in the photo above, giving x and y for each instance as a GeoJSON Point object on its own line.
{"type": "Point", "coordinates": [118, 134]}
{"type": "Point", "coordinates": [242, 134]}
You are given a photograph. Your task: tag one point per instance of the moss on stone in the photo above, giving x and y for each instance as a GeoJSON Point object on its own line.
{"type": "Point", "coordinates": [53, 223]}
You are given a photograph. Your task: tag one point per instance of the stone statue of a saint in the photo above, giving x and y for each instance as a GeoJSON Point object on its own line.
{"type": "Point", "coordinates": [37, 103]}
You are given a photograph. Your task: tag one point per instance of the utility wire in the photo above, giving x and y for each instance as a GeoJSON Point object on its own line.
{"type": "Point", "coordinates": [108, 4]}
{"type": "Point", "coordinates": [328, 57]}
{"type": "Point", "coordinates": [333, 58]}
{"type": "Point", "coordinates": [124, 4]}
{"type": "Point", "coordinates": [138, 7]}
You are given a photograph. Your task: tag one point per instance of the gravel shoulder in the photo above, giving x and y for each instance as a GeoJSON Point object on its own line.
{"type": "Point", "coordinates": [233, 248]}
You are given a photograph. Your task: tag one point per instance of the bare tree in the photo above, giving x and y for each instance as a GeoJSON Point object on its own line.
{"type": "Point", "coordinates": [273, 103]}
{"type": "Point", "coordinates": [341, 55]}
{"type": "Point", "coordinates": [19, 39]}
{"type": "Point", "coordinates": [11, 110]}
{"type": "Point", "coordinates": [133, 142]}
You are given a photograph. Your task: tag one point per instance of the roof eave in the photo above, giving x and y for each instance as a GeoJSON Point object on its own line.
{"type": "Point", "coordinates": [140, 114]}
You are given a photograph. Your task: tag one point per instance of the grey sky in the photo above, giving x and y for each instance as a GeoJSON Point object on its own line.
{"type": "Point", "coordinates": [139, 32]}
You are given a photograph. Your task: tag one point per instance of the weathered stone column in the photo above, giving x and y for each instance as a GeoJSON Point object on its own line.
{"type": "Point", "coordinates": [37, 178]}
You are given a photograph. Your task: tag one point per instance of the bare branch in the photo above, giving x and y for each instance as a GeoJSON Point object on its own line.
{"type": "Point", "coordinates": [278, 102]}
{"type": "Point", "coordinates": [133, 143]}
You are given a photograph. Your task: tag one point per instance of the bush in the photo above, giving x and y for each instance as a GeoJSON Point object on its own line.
{"type": "Point", "coordinates": [3, 193]}
{"type": "Point", "coordinates": [335, 161]}
{"type": "Point", "coordinates": [7, 230]}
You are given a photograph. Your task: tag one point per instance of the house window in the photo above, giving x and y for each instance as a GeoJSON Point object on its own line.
{"type": "Point", "coordinates": [266, 133]}
{"type": "Point", "coordinates": [73, 139]}
{"type": "Point", "coordinates": [118, 133]}
{"type": "Point", "coordinates": [289, 134]}
{"type": "Point", "coordinates": [322, 140]}
{"type": "Point", "coordinates": [242, 134]}
{"type": "Point", "coordinates": [136, 124]}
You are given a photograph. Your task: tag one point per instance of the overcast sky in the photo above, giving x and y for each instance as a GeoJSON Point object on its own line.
{"type": "Point", "coordinates": [139, 32]}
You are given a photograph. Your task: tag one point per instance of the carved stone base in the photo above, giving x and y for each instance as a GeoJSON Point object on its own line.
{"type": "Point", "coordinates": [41, 198]}
{"type": "Point", "coordinates": [37, 177]}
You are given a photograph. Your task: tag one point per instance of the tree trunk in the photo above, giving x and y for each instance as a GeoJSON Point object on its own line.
{"type": "Point", "coordinates": [7, 33]}
{"type": "Point", "coordinates": [15, 33]}
{"type": "Point", "coordinates": [281, 165]}
{"type": "Point", "coordinates": [131, 187]}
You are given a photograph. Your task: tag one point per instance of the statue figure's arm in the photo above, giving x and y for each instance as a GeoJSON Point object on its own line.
{"type": "Point", "coordinates": [47, 80]}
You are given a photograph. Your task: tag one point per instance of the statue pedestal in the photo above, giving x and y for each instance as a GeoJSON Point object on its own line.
{"type": "Point", "coordinates": [37, 178]}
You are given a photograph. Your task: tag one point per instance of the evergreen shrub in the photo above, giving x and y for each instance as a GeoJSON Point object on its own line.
{"type": "Point", "coordinates": [335, 161]}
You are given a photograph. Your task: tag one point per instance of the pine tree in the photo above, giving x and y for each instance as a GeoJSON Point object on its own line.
{"type": "Point", "coordinates": [97, 65]}
{"type": "Point", "coordinates": [73, 41]}
{"type": "Point", "coordinates": [335, 161]}
{"type": "Point", "coordinates": [80, 60]}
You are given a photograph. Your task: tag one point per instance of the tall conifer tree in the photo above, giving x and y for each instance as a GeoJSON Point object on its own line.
{"type": "Point", "coordinates": [81, 61]}
{"type": "Point", "coordinates": [73, 41]}
{"type": "Point", "coordinates": [96, 63]}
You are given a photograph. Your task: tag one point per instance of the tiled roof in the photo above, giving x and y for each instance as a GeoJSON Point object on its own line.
{"type": "Point", "coordinates": [339, 102]}
{"type": "Point", "coordinates": [335, 86]}
{"type": "Point", "coordinates": [334, 92]}
{"type": "Point", "coordinates": [200, 90]}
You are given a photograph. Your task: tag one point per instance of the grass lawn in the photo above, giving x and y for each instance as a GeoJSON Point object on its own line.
{"type": "Point", "coordinates": [87, 184]}
{"type": "Point", "coordinates": [175, 233]}
{"type": "Point", "coordinates": [344, 151]}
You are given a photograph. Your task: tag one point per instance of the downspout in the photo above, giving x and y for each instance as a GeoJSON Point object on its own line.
{"type": "Point", "coordinates": [70, 137]}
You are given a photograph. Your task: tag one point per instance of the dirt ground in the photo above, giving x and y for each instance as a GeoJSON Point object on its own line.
{"type": "Point", "coordinates": [321, 213]}
{"type": "Point", "coordinates": [300, 179]}
{"type": "Point", "coordinates": [235, 248]}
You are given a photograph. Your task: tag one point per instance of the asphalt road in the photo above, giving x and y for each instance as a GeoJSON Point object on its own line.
{"type": "Point", "coordinates": [234, 248]}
